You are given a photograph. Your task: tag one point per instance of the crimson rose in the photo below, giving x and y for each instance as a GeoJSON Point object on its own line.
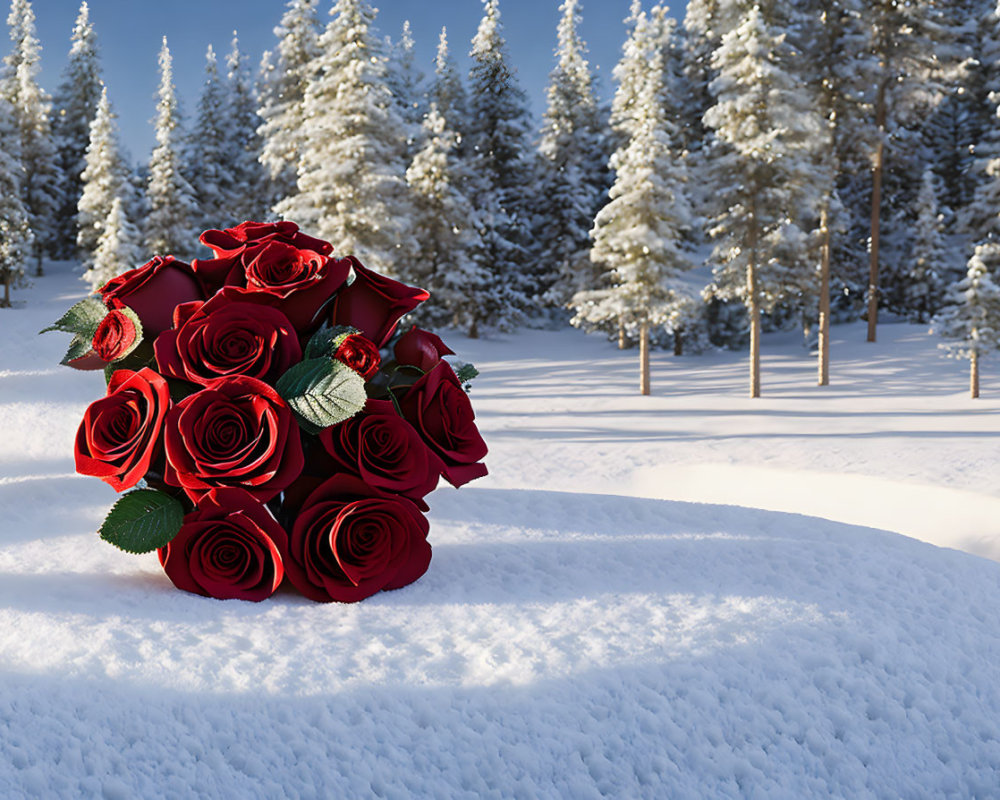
{"type": "Point", "coordinates": [359, 354]}
{"type": "Point", "coordinates": [224, 337]}
{"type": "Point", "coordinates": [420, 348]}
{"type": "Point", "coordinates": [351, 540]}
{"type": "Point", "coordinates": [236, 432]}
{"type": "Point", "coordinates": [373, 303]}
{"type": "Point", "coordinates": [119, 433]}
{"type": "Point", "coordinates": [439, 409]}
{"type": "Point", "coordinates": [152, 291]}
{"type": "Point", "coordinates": [385, 451]}
{"type": "Point", "coordinates": [229, 547]}
{"type": "Point", "coordinates": [114, 336]}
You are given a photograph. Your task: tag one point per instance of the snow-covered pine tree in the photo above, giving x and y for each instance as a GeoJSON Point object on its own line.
{"type": "Point", "coordinates": [638, 235]}
{"type": "Point", "coordinates": [447, 92]}
{"type": "Point", "coordinates": [117, 247]}
{"type": "Point", "coordinates": [247, 194]}
{"type": "Point", "coordinates": [208, 158]}
{"type": "Point", "coordinates": [352, 189]}
{"type": "Point", "coordinates": [15, 234]}
{"type": "Point", "coordinates": [404, 79]}
{"type": "Point", "coordinates": [105, 178]}
{"type": "Point", "coordinates": [925, 285]}
{"type": "Point", "coordinates": [501, 161]}
{"type": "Point", "coordinates": [971, 319]}
{"type": "Point", "coordinates": [169, 227]}
{"type": "Point", "coordinates": [444, 263]}
{"type": "Point", "coordinates": [31, 110]}
{"type": "Point", "coordinates": [75, 105]}
{"type": "Point", "coordinates": [572, 174]}
{"type": "Point", "coordinates": [768, 124]}
{"type": "Point", "coordinates": [281, 109]}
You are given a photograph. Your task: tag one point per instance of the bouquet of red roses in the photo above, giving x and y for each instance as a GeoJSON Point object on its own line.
{"type": "Point", "coordinates": [268, 419]}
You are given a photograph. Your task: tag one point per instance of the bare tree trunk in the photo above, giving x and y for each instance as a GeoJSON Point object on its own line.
{"type": "Point", "coordinates": [644, 357]}
{"type": "Point", "coordinates": [678, 343]}
{"type": "Point", "coordinates": [38, 263]}
{"type": "Point", "coordinates": [753, 304]}
{"type": "Point", "coordinates": [877, 167]}
{"type": "Point", "coordinates": [824, 298]}
{"type": "Point", "coordinates": [474, 329]}
{"type": "Point", "coordinates": [6, 288]}
{"type": "Point", "coordinates": [974, 374]}
{"type": "Point", "coordinates": [621, 333]}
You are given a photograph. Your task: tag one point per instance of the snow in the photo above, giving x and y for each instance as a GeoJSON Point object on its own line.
{"type": "Point", "coordinates": [666, 596]}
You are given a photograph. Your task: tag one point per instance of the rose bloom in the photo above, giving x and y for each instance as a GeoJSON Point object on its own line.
{"type": "Point", "coordinates": [373, 303]}
{"type": "Point", "coordinates": [385, 451]}
{"type": "Point", "coordinates": [420, 348]}
{"type": "Point", "coordinates": [119, 434]}
{"type": "Point", "coordinates": [152, 291]}
{"type": "Point", "coordinates": [438, 407]}
{"type": "Point", "coordinates": [359, 354]}
{"type": "Point", "coordinates": [236, 432]}
{"type": "Point", "coordinates": [224, 337]}
{"type": "Point", "coordinates": [114, 336]}
{"type": "Point", "coordinates": [229, 547]}
{"type": "Point", "coordinates": [351, 540]}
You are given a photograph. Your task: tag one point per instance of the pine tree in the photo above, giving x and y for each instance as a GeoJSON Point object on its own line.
{"type": "Point", "coordinates": [31, 110]}
{"type": "Point", "coordinates": [248, 188]}
{"type": "Point", "coordinates": [208, 161]}
{"type": "Point", "coordinates": [15, 234]}
{"type": "Point", "coordinates": [281, 110]}
{"type": "Point", "coordinates": [444, 262]}
{"type": "Point", "coordinates": [572, 173]}
{"type": "Point", "coordinates": [638, 235]}
{"type": "Point", "coordinates": [972, 317]}
{"type": "Point", "coordinates": [404, 79]}
{"type": "Point", "coordinates": [351, 188]}
{"type": "Point", "coordinates": [169, 228]}
{"type": "Point", "coordinates": [117, 248]}
{"type": "Point", "coordinates": [499, 126]}
{"type": "Point", "coordinates": [447, 92]}
{"type": "Point", "coordinates": [765, 120]}
{"type": "Point", "coordinates": [105, 178]}
{"type": "Point", "coordinates": [925, 283]}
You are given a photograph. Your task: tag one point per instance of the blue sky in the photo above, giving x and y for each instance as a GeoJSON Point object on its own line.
{"type": "Point", "coordinates": [129, 33]}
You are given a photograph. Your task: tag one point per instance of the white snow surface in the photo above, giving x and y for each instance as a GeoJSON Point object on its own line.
{"type": "Point", "coordinates": [672, 596]}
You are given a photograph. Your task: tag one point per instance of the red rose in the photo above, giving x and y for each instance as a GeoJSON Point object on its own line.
{"type": "Point", "coordinates": [237, 432]}
{"type": "Point", "coordinates": [351, 540]}
{"type": "Point", "coordinates": [359, 354]}
{"type": "Point", "coordinates": [229, 547]}
{"type": "Point", "coordinates": [421, 349]}
{"type": "Point", "coordinates": [440, 410]}
{"type": "Point", "coordinates": [152, 291]}
{"type": "Point", "coordinates": [120, 432]}
{"type": "Point", "coordinates": [235, 248]}
{"type": "Point", "coordinates": [224, 337]}
{"type": "Point", "coordinates": [114, 336]}
{"type": "Point", "coordinates": [373, 303]}
{"type": "Point", "coordinates": [385, 451]}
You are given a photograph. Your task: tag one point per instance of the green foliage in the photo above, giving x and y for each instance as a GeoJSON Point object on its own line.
{"type": "Point", "coordinates": [82, 319]}
{"type": "Point", "coordinates": [143, 520]}
{"type": "Point", "coordinates": [466, 373]}
{"type": "Point", "coordinates": [322, 392]}
{"type": "Point", "coordinates": [327, 340]}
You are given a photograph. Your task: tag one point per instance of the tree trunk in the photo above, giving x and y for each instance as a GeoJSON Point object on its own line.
{"type": "Point", "coordinates": [38, 263]}
{"type": "Point", "coordinates": [621, 333]}
{"type": "Point", "coordinates": [6, 289]}
{"type": "Point", "coordinates": [974, 375]}
{"type": "Point", "coordinates": [753, 305]}
{"type": "Point", "coordinates": [880, 115]}
{"type": "Point", "coordinates": [644, 358]}
{"type": "Point", "coordinates": [678, 343]}
{"type": "Point", "coordinates": [474, 329]}
{"type": "Point", "coordinates": [824, 299]}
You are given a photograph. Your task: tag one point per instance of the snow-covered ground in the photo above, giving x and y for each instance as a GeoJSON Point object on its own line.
{"type": "Point", "coordinates": [667, 596]}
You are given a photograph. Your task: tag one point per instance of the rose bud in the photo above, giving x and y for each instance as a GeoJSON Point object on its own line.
{"type": "Point", "coordinates": [359, 354]}
{"type": "Point", "coordinates": [152, 291]}
{"type": "Point", "coordinates": [237, 432]}
{"type": "Point", "coordinates": [115, 335]}
{"type": "Point", "coordinates": [439, 409]}
{"type": "Point", "coordinates": [224, 337]}
{"type": "Point", "coordinates": [373, 303]}
{"type": "Point", "coordinates": [119, 433]}
{"type": "Point", "coordinates": [351, 540]}
{"type": "Point", "coordinates": [228, 548]}
{"type": "Point", "coordinates": [420, 348]}
{"type": "Point", "coordinates": [385, 451]}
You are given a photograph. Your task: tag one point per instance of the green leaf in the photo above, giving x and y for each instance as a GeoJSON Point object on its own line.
{"type": "Point", "coordinates": [143, 520]}
{"type": "Point", "coordinates": [327, 339]}
{"type": "Point", "coordinates": [77, 348]}
{"type": "Point", "coordinates": [82, 319]}
{"type": "Point", "coordinates": [465, 373]}
{"type": "Point", "coordinates": [322, 392]}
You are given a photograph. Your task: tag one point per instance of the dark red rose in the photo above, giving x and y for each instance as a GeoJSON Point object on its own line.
{"type": "Point", "coordinates": [351, 540]}
{"type": "Point", "coordinates": [120, 433]}
{"type": "Point", "coordinates": [114, 336]}
{"type": "Point", "coordinates": [439, 409]}
{"type": "Point", "coordinates": [373, 303]}
{"type": "Point", "coordinates": [235, 248]}
{"type": "Point", "coordinates": [228, 548]}
{"type": "Point", "coordinates": [385, 451]}
{"type": "Point", "coordinates": [421, 349]}
{"type": "Point", "coordinates": [236, 432]}
{"type": "Point", "coordinates": [360, 354]}
{"type": "Point", "coordinates": [223, 337]}
{"type": "Point", "coordinates": [152, 291]}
